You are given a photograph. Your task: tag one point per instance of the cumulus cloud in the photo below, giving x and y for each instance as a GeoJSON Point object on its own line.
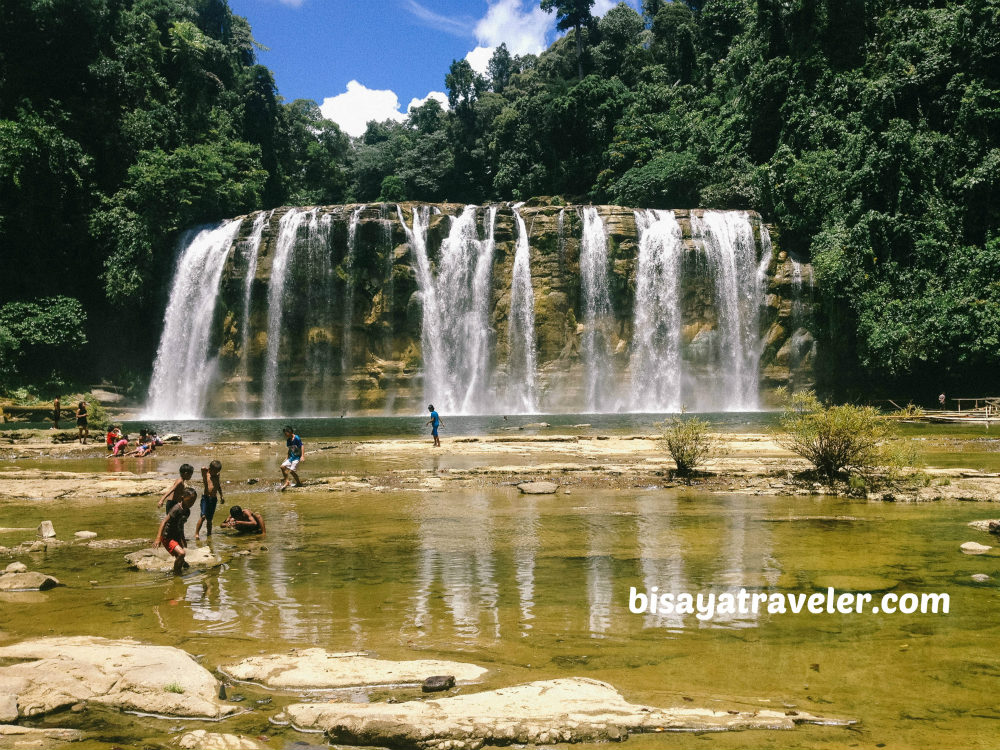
{"type": "Point", "coordinates": [353, 109]}
{"type": "Point", "coordinates": [292, 3]}
{"type": "Point", "coordinates": [524, 31]}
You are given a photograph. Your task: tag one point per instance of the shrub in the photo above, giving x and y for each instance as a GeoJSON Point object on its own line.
{"type": "Point", "coordinates": [689, 442]}
{"type": "Point", "coordinates": [843, 441]}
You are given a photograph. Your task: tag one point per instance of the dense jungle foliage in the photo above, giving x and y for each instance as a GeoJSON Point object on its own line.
{"type": "Point", "coordinates": [867, 131]}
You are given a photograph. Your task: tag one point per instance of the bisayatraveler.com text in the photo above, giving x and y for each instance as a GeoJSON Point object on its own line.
{"type": "Point", "coordinates": [707, 605]}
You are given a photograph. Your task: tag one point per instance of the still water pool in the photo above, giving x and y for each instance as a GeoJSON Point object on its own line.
{"type": "Point", "coordinates": [538, 587]}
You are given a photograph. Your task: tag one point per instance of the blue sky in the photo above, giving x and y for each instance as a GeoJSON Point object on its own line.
{"type": "Point", "coordinates": [375, 58]}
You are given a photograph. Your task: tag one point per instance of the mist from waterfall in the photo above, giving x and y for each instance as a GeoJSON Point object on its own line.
{"type": "Point", "coordinates": [288, 230]}
{"type": "Point", "coordinates": [597, 314]}
{"type": "Point", "coordinates": [184, 367]}
{"type": "Point", "coordinates": [655, 363]}
{"type": "Point", "coordinates": [521, 367]}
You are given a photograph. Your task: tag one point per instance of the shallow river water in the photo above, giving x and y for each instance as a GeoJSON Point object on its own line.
{"type": "Point", "coordinates": [538, 587]}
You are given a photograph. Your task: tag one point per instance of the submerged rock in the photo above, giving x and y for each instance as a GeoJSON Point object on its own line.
{"type": "Point", "coordinates": [59, 672]}
{"type": "Point", "coordinates": [201, 739]}
{"type": "Point", "coordinates": [545, 712]}
{"type": "Point", "coordinates": [158, 560]}
{"type": "Point", "coordinates": [318, 668]}
{"type": "Point", "coordinates": [27, 581]}
{"type": "Point", "coordinates": [13, 737]}
{"type": "Point", "coordinates": [538, 488]}
{"type": "Point", "coordinates": [980, 577]}
{"type": "Point", "coordinates": [85, 534]}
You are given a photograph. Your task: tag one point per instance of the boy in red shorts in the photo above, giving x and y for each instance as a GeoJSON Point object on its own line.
{"type": "Point", "coordinates": [171, 531]}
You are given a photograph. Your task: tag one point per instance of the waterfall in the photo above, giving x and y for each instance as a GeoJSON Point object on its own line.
{"type": "Point", "coordinates": [596, 311]}
{"type": "Point", "coordinates": [184, 369]}
{"type": "Point", "coordinates": [727, 239]}
{"type": "Point", "coordinates": [352, 244]}
{"type": "Point", "coordinates": [521, 327]}
{"type": "Point", "coordinates": [455, 334]}
{"type": "Point", "coordinates": [317, 278]}
{"type": "Point", "coordinates": [655, 363]}
{"type": "Point", "coordinates": [288, 230]}
{"type": "Point", "coordinates": [253, 250]}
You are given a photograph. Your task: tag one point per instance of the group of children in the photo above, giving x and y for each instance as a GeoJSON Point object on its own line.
{"type": "Point", "coordinates": [179, 499]}
{"type": "Point", "coordinates": [117, 442]}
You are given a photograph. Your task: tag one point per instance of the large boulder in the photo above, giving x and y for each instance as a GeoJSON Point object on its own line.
{"type": "Point", "coordinates": [315, 668]}
{"type": "Point", "coordinates": [158, 560]}
{"type": "Point", "coordinates": [58, 672]}
{"type": "Point", "coordinates": [575, 709]}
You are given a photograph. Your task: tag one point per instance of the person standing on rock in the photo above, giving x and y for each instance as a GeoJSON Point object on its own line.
{"type": "Point", "coordinates": [290, 466]}
{"type": "Point", "coordinates": [210, 496]}
{"type": "Point", "coordinates": [81, 422]}
{"type": "Point", "coordinates": [55, 413]}
{"type": "Point", "coordinates": [435, 422]}
{"type": "Point", "coordinates": [171, 531]}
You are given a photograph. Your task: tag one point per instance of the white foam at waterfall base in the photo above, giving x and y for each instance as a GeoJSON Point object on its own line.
{"type": "Point", "coordinates": [455, 333]}
{"type": "Point", "coordinates": [288, 229]}
{"type": "Point", "coordinates": [183, 369]}
{"type": "Point", "coordinates": [521, 395]}
{"type": "Point", "coordinates": [655, 363]}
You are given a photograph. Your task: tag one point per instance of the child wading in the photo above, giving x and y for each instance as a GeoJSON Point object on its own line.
{"type": "Point", "coordinates": [210, 497]}
{"type": "Point", "coordinates": [173, 496]}
{"type": "Point", "coordinates": [434, 422]}
{"type": "Point", "coordinates": [171, 531]}
{"type": "Point", "coordinates": [289, 467]}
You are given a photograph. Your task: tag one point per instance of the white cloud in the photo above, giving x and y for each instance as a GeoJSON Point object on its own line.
{"type": "Point", "coordinates": [509, 23]}
{"type": "Point", "coordinates": [293, 3]}
{"type": "Point", "coordinates": [447, 24]}
{"type": "Point", "coordinates": [353, 109]}
{"type": "Point", "coordinates": [479, 59]}
{"type": "Point", "coordinates": [439, 95]}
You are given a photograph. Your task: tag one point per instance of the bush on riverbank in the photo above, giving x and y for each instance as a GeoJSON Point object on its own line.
{"type": "Point", "coordinates": [689, 442]}
{"type": "Point", "coordinates": [848, 442]}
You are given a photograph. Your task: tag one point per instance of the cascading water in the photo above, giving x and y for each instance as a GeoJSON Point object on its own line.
{"type": "Point", "coordinates": [288, 230]}
{"type": "Point", "coordinates": [184, 369]}
{"type": "Point", "coordinates": [456, 338]}
{"type": "Point", "coordinates": [521, 328]}
{"type": "Point", "coordinates": [352, 243]}
{"type": "Point", "coordinates": [253, 250]}
{"type": "Point", "coordinates": [317, 398]}
{"type": "Point", "coordinates": [727, 239]}
{"type": "Point", "coordinates": [655, 363]}
{"type": "Point", "coordinates": [597, 316]}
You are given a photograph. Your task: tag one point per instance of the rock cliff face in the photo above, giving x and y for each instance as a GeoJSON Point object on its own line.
{"type": "Point", "coordinates": [352, 306]}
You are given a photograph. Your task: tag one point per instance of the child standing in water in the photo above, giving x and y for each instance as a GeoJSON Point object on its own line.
{"type": "Point", "coordinates": [171, 531]}
{"type": "Point", "coordinates": [210, 497]}
{"type": "Point", "coordinates": [173, 496]}
{"type": "Point", "coordinates": [289, 467]}
{"type": "Point", "coordinates": [434, 422]}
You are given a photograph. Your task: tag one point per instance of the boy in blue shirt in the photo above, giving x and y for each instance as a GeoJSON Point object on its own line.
{"type": "Point", "coordinates": [289, 467]}
{"type": "Point", "coordinates": [436, 422]}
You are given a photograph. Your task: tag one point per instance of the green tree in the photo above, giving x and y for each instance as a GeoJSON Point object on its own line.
{"type": "Point", "coordinates": [576, 15]}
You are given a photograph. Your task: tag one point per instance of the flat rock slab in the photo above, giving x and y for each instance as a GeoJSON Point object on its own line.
{"type": "Point", "coordinates": [28, 581]}
{"type": "Point", "coordinates": [975, 548]}
{"type": "Point", "coordinates": [201, 739]}
{"type": "Point", "coordinates": [538, 488]}
{"type": "Point", "coordinates": [316, 668]}
{"type": "Point", "coordinates": [36, 484]}
{"type": "Point", "coordinates": [131, 676]}
{"type": "Point", "coordinates": [158, 560]}
{"type": "Point", "coordinates": [13, 737]}
{"type": "Point", "coordinates": [575, 709]}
